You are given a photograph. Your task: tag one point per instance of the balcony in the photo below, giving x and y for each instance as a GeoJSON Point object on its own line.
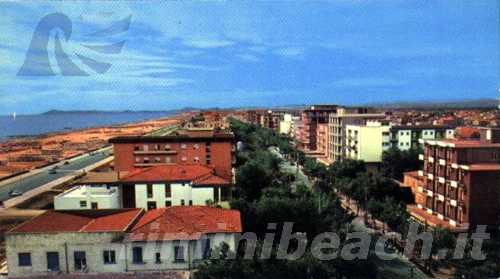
{"type": "Point", "coordinates": [154, 152]}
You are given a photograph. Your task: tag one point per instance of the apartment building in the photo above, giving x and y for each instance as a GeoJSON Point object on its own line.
{"type": "Point", "coordinates": [311, 118]}
{"type": "Point", "coordinates": [322, 144]}
{"type": "Point", "coordinates": [367, 142]}
{"type": "Point", "coordinates": [286, 124]}
{"type": "Point", "coordinates": [118, 241]}
{"type": "Point", "coordinates": [460, 182]}
{"type": "Point", "coordinates": [148, 188]}
{"type": "Point", "coordinates": [405, 137]}
{"type": "Point", "coordinates": [211, 148]}
{"type": "Point", "coordinates": [338, 121]}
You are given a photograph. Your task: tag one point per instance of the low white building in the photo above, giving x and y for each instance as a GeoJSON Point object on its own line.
{"type": "Point", "coordinates": [89, 197]}
{"type": "Point", "coordinates": [149, 188]}
{"type": "Point", "coordinates": [171, 185]}
{"type": "Point", "coordinates": [119, 241]}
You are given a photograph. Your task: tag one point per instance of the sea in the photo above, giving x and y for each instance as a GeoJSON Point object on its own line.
{"type": "Point", "coordinates": [30, 125]}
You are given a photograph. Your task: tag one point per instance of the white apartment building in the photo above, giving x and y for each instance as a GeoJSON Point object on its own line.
{"type": "Point", "coordinates": [367, 142]}
{"type": "Point", "coordinates": [286, 124]}
{"type": "Point", "coordinates": [408, 136]}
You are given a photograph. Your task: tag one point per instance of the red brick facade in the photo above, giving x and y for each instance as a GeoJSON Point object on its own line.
{"type": "Point", "coordinates": [461, 182]}
{"type": "Point", "coordinates": [215, 151]}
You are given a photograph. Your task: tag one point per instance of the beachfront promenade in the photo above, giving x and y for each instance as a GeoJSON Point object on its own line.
{"type": "Point", "coordinates": [40, 178]}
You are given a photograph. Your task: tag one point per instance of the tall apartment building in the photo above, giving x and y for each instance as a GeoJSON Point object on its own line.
{"type": "Point", "coordinates": [338, 121]}
{"type": "Point", "coordinates": [286, 124]}
{"type": "Point", "coordinates": [322, 144]}
{"type": "Point", "coordinates": [214, 149]}
{"type": "Point", "coordinates": [311, 118]}
{"type": "Point", "coordinates": [460, 182]}
{"type": "Point", "coordinates": [367, 142]}
{"type": "Point", "coordinates": [406, 137]}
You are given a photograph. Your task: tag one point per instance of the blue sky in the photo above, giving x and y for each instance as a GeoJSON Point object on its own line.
{"type": "Point", "coordinates": [227, 54]}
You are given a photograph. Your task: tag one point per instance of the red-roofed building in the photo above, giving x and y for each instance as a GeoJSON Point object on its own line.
{"type": "Point", "coordinates": [460, 182]}
{"type": "Point", "coordinates": [119, 241]}
{"type": "Point", "coordinates": [209, 148]}
{"type": "Point", "coordinates": [69, 242]}
{"type": "Point", "coordinates": [168, 185]}
{"type": "Point", "coordinates": [186, 234]}
{"type": "Point", "coordinates": [150, 188]}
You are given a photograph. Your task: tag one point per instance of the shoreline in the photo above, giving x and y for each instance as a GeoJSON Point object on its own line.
{"type": "Point", "coordinates": [20, 154]}
{"type": "Point", "coordinates": [81, 129]}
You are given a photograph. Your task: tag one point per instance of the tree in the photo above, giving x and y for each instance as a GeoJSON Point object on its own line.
{"type": "Point", "coordinates": [395, 162]}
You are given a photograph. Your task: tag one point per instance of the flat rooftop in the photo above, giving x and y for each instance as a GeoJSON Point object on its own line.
{"type": "Point", "coordinates": [82, 191]}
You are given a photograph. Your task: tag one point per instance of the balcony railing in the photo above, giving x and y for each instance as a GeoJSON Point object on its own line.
{"type": "Point", "coordinates": [159, 152]}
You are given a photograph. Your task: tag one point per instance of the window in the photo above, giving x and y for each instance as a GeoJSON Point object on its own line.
{"type": "Point", "coordinates": [145, 147]}
{"type": "Point", "coordinates": [167, 146]}
{"type": "Point", "coordinates": [94, 205]}
{"type": "Point", "coordinates": [137, 159]}
{"type": "Point", "coordinates": [53, 261]}
{"type": "Point", "coordinates": [158, 258]}
{"type": "Point", "coordinates": [190, 202]}
{"type": "Point", "coordinates": [151, 205]}
{"type": "Point", "coordinates": [137, 148]}
{"type": "Point", "coordinates": [80, 260]}
{"type": "Point", "coordinates": [157, 159]}
{"type": "Point", "coordinates": [183, 146]}
{"type": "Point", "coordinates": [109, 257]}
{"type": "Point", "coordinates": [196, 146]}
{"type": "Point", "coordinates": [137, 255]}
{"type": "Point", "coordinates": [157, 147]}
{"type": "Point", "coordinates": [184, 158]}
{"type": "Point", "coordinates": [179, 254]}
{"type": "Point", "coordinates": [168, 203]}
{"type": "Point", "coordinates": [168, 159]}
{"type": "Point", "coordinates": [24, 259]}
{"type": "Point", "coordinates": [206, 248]}
{"type": "Point", "coordinates": [182, 202]}
{"type": "Point", "coordinates": [146, 160]}
{"type": "Point", "coordinates": [83, 204]}
{"type": "Point", "coordinates": [168, 191]}
{"type": "Point", "coordinates": [149, 189]}
{"type": "Point", "coordinates": [196, 159]}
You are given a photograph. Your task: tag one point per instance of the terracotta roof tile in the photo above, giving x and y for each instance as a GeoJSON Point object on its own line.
{"type": "Point", "coordinates": [185, 223]}
{"type": "Point", "coordinates": [175, 173]}
{"type": "Point", "coordinates": [80, 221]}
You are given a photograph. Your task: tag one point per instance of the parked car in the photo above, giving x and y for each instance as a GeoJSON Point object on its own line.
{"type": "Point", "coordinates": [52, 171]}
{"type": "Point", "coordinates": [66, 162]}
{"type": "Point", "coordinates": [15, 193]}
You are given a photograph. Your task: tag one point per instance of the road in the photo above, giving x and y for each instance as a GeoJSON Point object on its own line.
{"type": "Point", "coordinates": [36, 180]}
{"type": "Point", "coordinates": [398, 267]}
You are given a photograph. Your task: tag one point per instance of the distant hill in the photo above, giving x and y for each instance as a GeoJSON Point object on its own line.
{"type": "Point", "coordinates": [452, 104]}
{"type": "Point", "coordinates": [55, 111]}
